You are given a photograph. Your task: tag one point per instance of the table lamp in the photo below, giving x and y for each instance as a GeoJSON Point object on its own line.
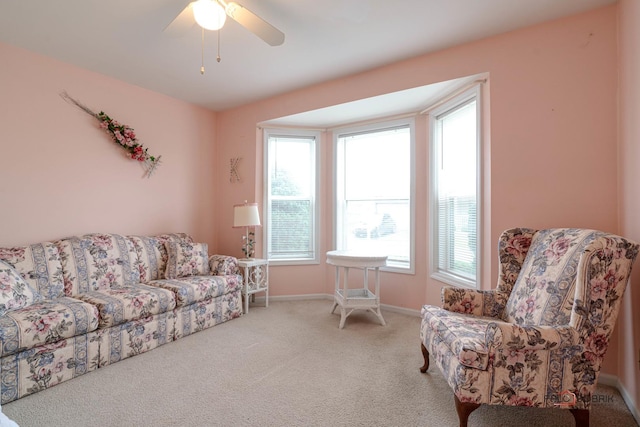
{"type": "Point", "coordinates": [246, 215]}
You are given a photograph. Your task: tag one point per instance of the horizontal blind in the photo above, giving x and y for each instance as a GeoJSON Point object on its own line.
{"type": "Point", "coordinates": [291, 229]}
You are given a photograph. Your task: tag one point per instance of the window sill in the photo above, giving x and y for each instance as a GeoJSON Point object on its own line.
{"type": "Point", "coordinates": [453, 280]}
{"type": "Point", "coordinates": [397, 268]}
{"type": "Point", "coordinates": [285, 262]}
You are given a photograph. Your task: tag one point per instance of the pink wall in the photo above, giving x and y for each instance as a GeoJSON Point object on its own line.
{"type": "Point", "coordinates": [552, 153]}
{"type": "Point", "coordinates": [61, 175]}
{"type": "Point", "coordinates": [629, 131]}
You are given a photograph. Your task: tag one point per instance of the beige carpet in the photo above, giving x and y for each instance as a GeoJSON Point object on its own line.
{"type": "Point", "coordinates": [286, 365]}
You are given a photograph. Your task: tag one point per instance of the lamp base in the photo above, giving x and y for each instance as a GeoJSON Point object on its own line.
{"type": "Point", "coordinates": [248, 242]}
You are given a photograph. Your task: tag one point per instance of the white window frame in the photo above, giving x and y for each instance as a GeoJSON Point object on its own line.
{"type": "Point", "coordinates": [315, 198]}
{"type": "Point", "coordinates": [405, 268]}
{"type": "Point", "coordinates": [454, 103]}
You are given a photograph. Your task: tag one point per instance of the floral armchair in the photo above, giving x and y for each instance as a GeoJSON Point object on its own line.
{"type": "Point", "coordinates": [539, 338]}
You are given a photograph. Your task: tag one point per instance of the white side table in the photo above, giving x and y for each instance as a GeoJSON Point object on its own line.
{"type": "Point", "coordinates": [256, 279]}
{"type": "Point", "coordinates": [353, 299]}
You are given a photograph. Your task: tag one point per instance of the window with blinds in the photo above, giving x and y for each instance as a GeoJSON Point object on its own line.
{"type": "Point", "coordinates": [455, 184]}
{"type": "Point", "coordinates": [291, 196]}
{"type": "Point", "coordinates": [374, 191]}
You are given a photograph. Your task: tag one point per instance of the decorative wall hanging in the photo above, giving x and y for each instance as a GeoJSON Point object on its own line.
{"type": "Point", "coordinates": [233, 169]}
{"type": "Point", "coordinates": [122, 135]}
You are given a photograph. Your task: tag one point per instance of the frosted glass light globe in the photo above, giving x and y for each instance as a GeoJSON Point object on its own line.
{"type": "Point", "coordinates": [209, 14]}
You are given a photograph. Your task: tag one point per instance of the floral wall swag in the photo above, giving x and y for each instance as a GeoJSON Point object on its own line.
{"type": "Point", "coordinates": [122, 135]}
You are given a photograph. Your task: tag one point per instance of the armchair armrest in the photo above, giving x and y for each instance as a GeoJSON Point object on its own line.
{"type": "Point", "coordinates": [223, 265]}
{"type": "Point", "coordinates": [502, 335]}
{"type": "Point", "coordinates": [472, 301]}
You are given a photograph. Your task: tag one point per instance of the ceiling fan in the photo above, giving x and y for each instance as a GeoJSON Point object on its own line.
{"type": "Point", "coordinates": [211, 15]}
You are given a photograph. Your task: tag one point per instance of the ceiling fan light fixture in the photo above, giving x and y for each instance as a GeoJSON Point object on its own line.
{"type": "Point", "coordinates": [209, 14]}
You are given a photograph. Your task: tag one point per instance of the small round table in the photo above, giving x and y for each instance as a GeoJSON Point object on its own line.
{"type": "Point", "coordinates": [356, 299]}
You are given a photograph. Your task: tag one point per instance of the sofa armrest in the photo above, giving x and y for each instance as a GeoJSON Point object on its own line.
{"type": "Point", "coordinates": [489, 303]}
{"type": "Point", "coordinates": [509, 336]}
{"type": "Point", "coordinates": [223, 265]}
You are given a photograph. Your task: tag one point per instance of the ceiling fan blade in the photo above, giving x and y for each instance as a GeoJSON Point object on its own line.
{"type": "Point", "coordinates": [182, 23]}
{"type": "Point", "coordinates": [253, 23]}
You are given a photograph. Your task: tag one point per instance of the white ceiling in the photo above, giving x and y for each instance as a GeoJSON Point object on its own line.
{"type": "Point", "coordinates": [388, 105]}
{"type": "Point", "coordinates": [324, 40]}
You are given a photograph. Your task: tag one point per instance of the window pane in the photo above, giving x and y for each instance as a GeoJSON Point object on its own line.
{"type": "Point", "coordinates": [458, 174]}
{"type": "Point", "coordinates": [291, 229]}
{"type": "Point", "coordinates": [374, 187]}
{"type": "Point", "coordinates": [457, 236]}
{"type": "Point", "coordinates": [378, 165]}
{"type": "Point", "coordinates": [289, 160]}
{"type": "Point", "coordinates": [381, 226]}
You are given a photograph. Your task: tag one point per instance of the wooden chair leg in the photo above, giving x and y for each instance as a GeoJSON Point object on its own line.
{"type": "Point", "coordinates": [425, 354]}
{"type": "Point", "coordinates": [464, 410]}
{"type": "Point", "coordinates": [581, 416]}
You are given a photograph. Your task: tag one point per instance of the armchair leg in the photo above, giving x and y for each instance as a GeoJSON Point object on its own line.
{"type": "Point", "coordinates": [581, 416]}
{"type": "Point", "coordinates": [464, 410]}
{"type": "Point", "coordinates": [425, 354]}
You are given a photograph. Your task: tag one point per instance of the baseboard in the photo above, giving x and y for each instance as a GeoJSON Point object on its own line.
{"type": "Point", "coordinates": [608, 379]}
{"type": "Point", "coordinates": [295, 297]}
{"type": "Point", "coordinates": [614, 381]}
{"type": "Point", "coordinates": [329, 297]}
{"type": "Point", "coordinates": [401, 310]}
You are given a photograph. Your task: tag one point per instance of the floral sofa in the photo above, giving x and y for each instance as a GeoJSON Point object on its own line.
{"type": "Point", "coordinates": [539, 338]}
{"type": "Point", "coordinates": [78, 304]}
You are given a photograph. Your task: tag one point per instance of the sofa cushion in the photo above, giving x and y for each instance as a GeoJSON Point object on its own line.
{"type": "Point", "coordinates": [39, 265]}
{"type": "Point", "coordinates": [223, 265]}
{"type": "Point", "coordinates": [45, 322]}
{"type": "Point", "coordinates": [97, 261]}
{"type": "Point", "coordinates": [544, 291]}
{"type": "Point", "coordinates": [192, 289]}
{"type": "Point", "coordinates": [124, 303]}
{"type": "Point", "coordinates": [463, 334]}
{"type": "Point", "coordinates": [148, 260]}
{"type": "Point", "coordinates": [187, 259]}
{"type": "Point", "coordinates": [151, 261]}
{"type": "Point", "coordinates": [15, 292]}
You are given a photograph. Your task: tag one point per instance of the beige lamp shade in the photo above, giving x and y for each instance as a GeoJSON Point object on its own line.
{"type": "Point", "coordinates": [246, 215]}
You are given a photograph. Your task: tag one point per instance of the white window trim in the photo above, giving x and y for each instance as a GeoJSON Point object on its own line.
{"type": "Point", "coordinates": [450, 279]}
{"type": "Point", "coordinates": [380, 125]}
{"type": "Point", "coordinates": [316, 197]}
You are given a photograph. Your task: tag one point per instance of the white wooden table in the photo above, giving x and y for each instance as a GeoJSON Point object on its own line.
{"type": "Point", "coordinates": [255, 276]}
{"type": "Point", "coordinates": [358, 298]}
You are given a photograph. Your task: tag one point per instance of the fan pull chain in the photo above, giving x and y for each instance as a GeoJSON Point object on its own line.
{"type": "Point", "coordinates": [202, 52]}
{"type": "Point", "coordinates": [218, 57]}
